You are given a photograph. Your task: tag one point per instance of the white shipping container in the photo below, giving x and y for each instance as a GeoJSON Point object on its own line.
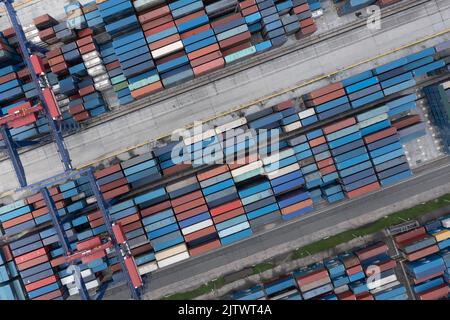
{"type": "Point", "coordinates": [101, 77]}
{"type": "Point", "coordinates": [231, 125]}
{"type": "Point", "coordinates": [103, 85]}
{"type": "Point", "coordinates": [97, 70]}
{"type": "Point", "coordinates": [197, 227]}
{"type": "Point", "coordinates": [91, 200]}
{"type": "Point", "coordinates": [178, 185]}
{"type": "Point", "coordinates": [174, 259]}
{"type": "Point", "coordinates": [90, 55]}
{"type": "Point", "coordinates": [234, 229]}
{"type": "Point", "coordinates": [385, 287]}
{"type": "Point", "coordinates": [166, 50]}
{"type": "Point", "coordinates": [93, 62]}
{"type": "Point", "coordinates": [282, 171]}
{"type": "Point", "coordinates": [307, 113]}
{"type": "Point", "coordinates": [293, 126]}
{"type": "Point", "coordinates": [446, 221]}
{"type": "Point", "coordinates": [90, 285]}
{"type": "Point", "coordinates": [147, 268]}
{"type": "Point", "coordinates": [247, 168]}
{"type": "Point", "coordinates": [161, 255]}
{"type": "Point", "coordinates": [446, 85]}
{"type": "Point", "coordinates": [373, 120]}
{"type": "Point", "coordinates": [381, 282]}
{"type": "Point", "coordinates": [70, 279]}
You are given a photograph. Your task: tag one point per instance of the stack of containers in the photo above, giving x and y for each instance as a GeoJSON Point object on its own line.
{"type": "Point", "coordinates": [233, 36]}
{"type": "Point", "coordinates": [326, 165]}
{"type": "Point", "coordinates": [112, 182]}
{"type": "Point", "coordinates": [336, 270]}
{"type": "Point", "coordinates": [352, 265]}
{"type": "Point", "coordinates": [31, 34]}
{"type": "Point", "coordinates": [127, 39]}
{"type": "Point", "coordinates": [287, 181]}
{"type": "Point", "coordinates": [45, 25]}
{"type": "Point", "coordinates": [115, 73]}
{"type": "Point", "coordinates": [166, 159]}
{"type": "Point", "coordinates": [272, 26]}
{"type": "Point", "coordinates": [282, 289]}
{"type": "Point", "coordinates": [93, 61]}
{"type": "Point", "coordinates": [10, 285]}
{"type": "Point", "coordinates": [63, 33]}
{"type": "Point", "coordinates": [250, 11]}
{"type": "Point", "coordinates": [416, 244]}
{"type": "Point", "coordinates": [75, 16]}
{"type": "Point", "coordinates": [227, 207]}
{"type": "Point", "coordinates": [327, 102]}
{"type": "Point", "coordinates": [313, 281]}
{"type": "Point", "coordinates": [141, 170]}
{"type": "Point", "coordinates": [307, 25]}
{"type": "Point", "coordinates": [259, 201]}
{"type": "Point", "coordinates": [93, 17]}
{"type": "Point", "coordinates": [162, 229]}
{"type": "Point", "coordinates": [401, 105]}
{"type": "Point", "coordinates": [387, 156]}
{"type": "Point", "coordinates": [189, 201]}
{"type": "Point", "coordinates": [290, 20]}
{"type": "Point", "coordinates": [198, 38]}
{"type": "Point", "coordinates": [375, 259]}
{"type": "Point", "coordinates": [425, 273]}
{"type": "Point", "coordinates": [351, 158]}
{"type": "Point", "coordinates": [165, 43]}
{"type": "Point", "coordinates": [203, 148]}
{"type": "Point", "coordinates": [291, 118]}
{"type": "Point", "coordinates": [40, 282]}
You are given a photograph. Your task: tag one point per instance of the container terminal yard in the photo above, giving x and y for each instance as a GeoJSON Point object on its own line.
{"type": "Point", "coordinates": [225, 150]}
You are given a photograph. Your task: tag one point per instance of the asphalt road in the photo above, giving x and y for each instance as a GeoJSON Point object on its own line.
{"type": "Point", "coordinates": [426, 177]}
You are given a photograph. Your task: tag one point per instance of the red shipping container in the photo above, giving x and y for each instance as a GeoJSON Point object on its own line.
{"type": "Point", "coordinates": [209, 67]}
{"type": "Point", "coordinates": [31, 255]}
{"type": "Point", "coordinates": [354, 270]}
{"type": "Point", "coordinates": [347, 295]}
{"type": "Point", "coordinates": [438, 292]}
{"type": "Point", "coordinates": [235, 40]}
{"type": "Point", "coordinates": [406, 236]}
{"type": "Point", "coordinates": [107, 171]}
{"type": "Point", "coordinates": [422, 253]}
{"type": "Point", "coordinates": [300, 9]}
{"type": "Point", "coordinates": [191, 213]}
{"type": "Point", "coordinates": [16, 221]}
{"type": "Point", "coordinates": [147, 90]}
{"type": "Point", "coordinates": [116, 192]}
{"type": "Point", "coordinates": [227, 19]}
{"type": "Point", "coordinates": [206, 58]}
{"type": "Point", "coordinates": [156, 208]}
{"type": "Point", "coordinates": [89, 244]}
{"type": "Point", "coordinates": [130, 219]}
{"type": "Point", "coordinates": [328, 97]}
{"type": "Point", "coordinates": [164, 42]}
{"type": "Point", "coordinates": [361, 191]}
{"type": "Point", "coordinates": [204, 248]}
{"type": "Point", "coordinates": [41, 283]}
{"type": "Point", "coordinates": [186, 198]}
{"type": "Point", "coordinates": [212, 173]}
{"type": "Point", "coordinates": [229, 215]}
{"type": "Point", "coordinates": [250, 10]}
{"type": "Point", "coordinates": [325, 90]}
{"type": "Point", "coordinates": [372, 251]}
{"type": "Point", "coordinates": [115, 184]}
{"type": "Point", "coordinates": [190, 17]}
{"type": "Point", "coordinates": [317, 142]}
{"type": "Point", "coordinates": [176, 168]}
{"type": "Point", "coordinates": [195, 31]}
{"type": "Point", "coordinates": [284, 105]}
{"type": "Point", "coordinates": [187, 206]}
{"type": "Point", "coordinates": [339, 125]}
{"type": "Point", "coordinates": [149, 24]}
{"type": "Point", "coordinates": [50, 296]}
{"type": "Point", "coordinates": [159, 29]}
{"type": "Point", "coordinates": [32, 263]}
{"type": "Point", "coordinates": [312, 276]}
{"type": "Point", "coordinates": [380, 135]}
{"type": "Point", "coordinates": [246, 4]}
{"type": "Point", "coordinates": [325, 163]}
{"type": "Point", "coordinates": [226, 207]}
{"type": "Point", "coordinates": [155, 13]}
{"type": "Point", "coordinates": [204, 51]}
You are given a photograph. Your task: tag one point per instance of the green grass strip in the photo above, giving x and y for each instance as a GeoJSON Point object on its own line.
{"type": "Point", "coordinates": [204, 289]}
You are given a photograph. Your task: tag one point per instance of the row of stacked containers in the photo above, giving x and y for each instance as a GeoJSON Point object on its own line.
{"type": "Point", "coordinates": [135, 48]}
{"type": "Point", "coordinates": [130, 49]}
{"type": "Point", "coordinates": [427, 258]}
{"type": "Point", "coordinates": [366, 274]}
{"type": "Point", "coordinates": [352, 276]}
{"type": "Point", "coordinates": [224, 203]}
{"type": "Point", "coordinates": [227, 202]}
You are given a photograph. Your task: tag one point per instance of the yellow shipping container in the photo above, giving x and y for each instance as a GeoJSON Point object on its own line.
{"type": "Point", "coordinates": [442, 235]}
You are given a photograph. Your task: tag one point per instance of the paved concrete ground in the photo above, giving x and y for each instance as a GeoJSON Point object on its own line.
{"type": "Point", "coordinates": [430, 182]}
{"type": "Point", "coordinates": [214, 97]}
